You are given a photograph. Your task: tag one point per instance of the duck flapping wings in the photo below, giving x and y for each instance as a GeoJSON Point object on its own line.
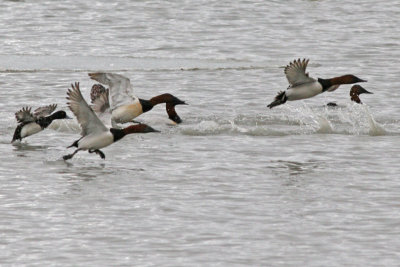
{"type": "Point", "coordinates": [296, 73]}
{"type": "Point", "coordinates": [121, 90]}
{"type": "Point", "coordinates": [88, 120]}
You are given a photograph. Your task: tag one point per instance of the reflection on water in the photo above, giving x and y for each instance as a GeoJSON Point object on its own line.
{"type": "Point", "coordinates": [295, 168]}
{"type": "Point", "coordinates": [21, 148]}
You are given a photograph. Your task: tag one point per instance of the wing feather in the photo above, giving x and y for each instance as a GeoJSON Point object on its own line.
{"type": "Point", "coordinates": [24, 115]}
{"type": "Point", "coordinates": [44, 111]}
{"type": "Point", "coordinates": [121, 90]}
{"type": "Point", "coordinates": [88, 120]}
{"type": "Point", "coordinates": [296, 73]}
{"type": "Point", "coordinates": [101, 104]}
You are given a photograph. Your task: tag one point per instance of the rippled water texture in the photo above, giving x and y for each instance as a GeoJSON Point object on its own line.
{"type": "Point", "coordinates": [235, 183]}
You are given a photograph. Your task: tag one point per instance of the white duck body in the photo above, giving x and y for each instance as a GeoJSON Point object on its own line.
{"type": "Point", "coordinates": [304, 91]}
{"type": "Point", "coordinates": [124, 105]}
{"type": "Point", "coordinates": [96, 140]}
{"type": "Point", "coordinates": [95, 134]}
{"type": "Point", "coordinates": [127, 113]}
{"type": "Point", "coordinates": [302, 86]}
{"type": "Point", "coordinates": [30, 129]}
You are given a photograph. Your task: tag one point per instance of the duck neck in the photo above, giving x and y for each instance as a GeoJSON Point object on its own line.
{"type": "Point", "coordinates": [164, 98]}
{"type": "Point", "coordinates": [146, 105]}
{"type": "Point", "coordinates": [149, 104]}
{"type": "Point", "coordinates": [345, 79]}
{"type": "Point", "coordinates": [138, 128]}
{"type": "Point", "coordinates": [356, 99]}
{"type": "Point", "coordinates": [117, 133]}
{"type": "Point", "coordinates": [326, 83]}
{"type": "Point", "coordinates": [46, 121]}
{"type": "Point", "coordinates": [172, 113]}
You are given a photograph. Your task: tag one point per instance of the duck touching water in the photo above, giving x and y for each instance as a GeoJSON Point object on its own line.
{"type": "Point", "coordinates": [101, 103]}
{"type": "Point", "coordinates": [355, 92]}
{"type": "Point", "coordinates": [301, 86]}
{"type": "Point", "coordinates": [32, 123]}
{"type": "Point", "coordinates": [124, 105]}
{"type": "Point", "coordinates": [95, 135]}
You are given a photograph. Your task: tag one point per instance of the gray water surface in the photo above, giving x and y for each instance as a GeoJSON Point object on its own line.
{"type": "Point", "coordinates": [235, 184]}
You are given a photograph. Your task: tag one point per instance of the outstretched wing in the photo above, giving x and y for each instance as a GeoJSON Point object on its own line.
{"type": "Point", "coordinates": [44, 111]}
{"type": "Point", "coordinates": [121, 90]}
{"type": "Point", "coordinates": [101, 104]}
{"type": "Point", "coordinates": [24, 115]}
{"type": "Point", "coordinates": [88, 120]}
{"type": "Point", "coordinates": [296, 72]}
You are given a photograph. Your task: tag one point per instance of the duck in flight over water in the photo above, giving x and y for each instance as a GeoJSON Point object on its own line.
{"type": "Point", "coordinates": [124, 105]}
{"type": "Point", "coordinates": [31, 123]}
{"type": "Point", "coordinates": [301, 86]}
{"type": "Point", "coordinates": [355, 92]}
{"type": "Point", "coordinates": [95, 135]}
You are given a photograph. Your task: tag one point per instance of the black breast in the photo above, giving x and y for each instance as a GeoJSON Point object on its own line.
{"type": "Point", "coordinates": [146, 105]}
{"type": "Point", "coordinates": [44, 121]}
{"type": "Point", "coordinates": [117, 133]}
{"type": "Point", "coordinates": [325, 84]}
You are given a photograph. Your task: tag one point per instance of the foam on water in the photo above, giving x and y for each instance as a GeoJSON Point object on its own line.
{"type": "Point", "coordinates": [349, 120]}
{"type": "Point", "coordinates": [66, 126]}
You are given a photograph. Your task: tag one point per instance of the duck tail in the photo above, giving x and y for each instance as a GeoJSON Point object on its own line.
{"type": "Point", "coordinates": [75, 144]}
{"type": "Point", "coordinates": [280, 99]}
{"type": "Point", "coordinates": [17, 134]}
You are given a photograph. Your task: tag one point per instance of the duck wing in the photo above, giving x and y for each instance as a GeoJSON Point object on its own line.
{"type": "Point", "coordinates": [96, 91]}
{"type": "Point", "coordinates": [25, 115]}
{"type": "Point", "coordinates": [88, 120]}
{"type": "Point", "coordinates": [121, 90]}
{"type": "Point", "coordinates": [44, 111]}
{"type": "Point", "coordinates": [102, 103]}
{"type": "Point", "coordinates": [296, 73]}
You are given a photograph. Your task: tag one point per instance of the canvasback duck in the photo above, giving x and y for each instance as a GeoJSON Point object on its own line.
{"type": "Point", "coordinates": [172, 115]}
{"type": "Point", "coordinates": [301, 86]}
{"type": "Point", "coordinates": [124, 105]}
{"type": "Point", "coordinates": [31, 123]}
{"type": "Point", "coordinates": [95, 135]}
{"type": "Point", "coordinates": [100, 103]}
{"type": "Point", "coordinates": [355, 91]}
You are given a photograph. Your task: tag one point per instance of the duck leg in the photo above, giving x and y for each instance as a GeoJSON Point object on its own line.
{"type": "Point", "coordinates": [98, 152]}
{"type": "Point", "coordinates": [69, 156]}
{"type": "Point", "coordinates": [101, 154]}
